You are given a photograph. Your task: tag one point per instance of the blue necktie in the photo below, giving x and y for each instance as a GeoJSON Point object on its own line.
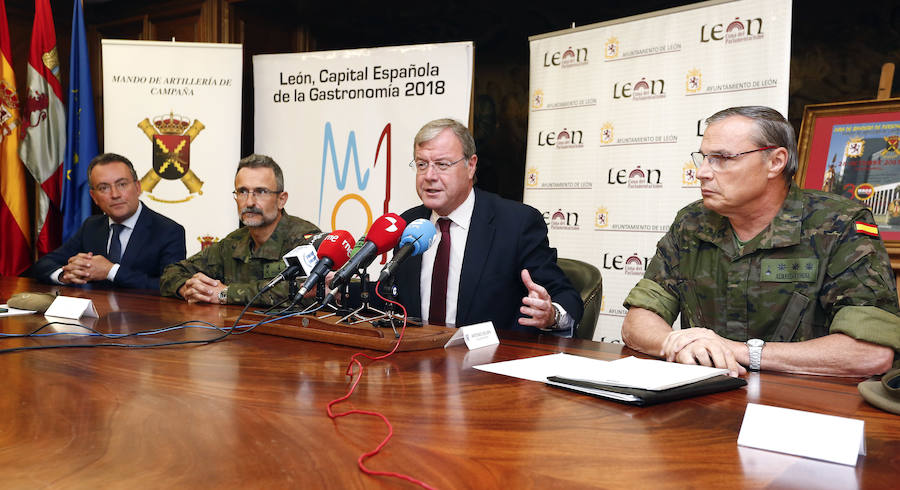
{"type": "Point", "coordinates": [115, 246]}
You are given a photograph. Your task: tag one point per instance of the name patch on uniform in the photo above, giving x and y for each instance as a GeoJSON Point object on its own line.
{"type": "Point", "coordinates": [789, 270]}
{"type": "Point", "coordinates": [866, 228]}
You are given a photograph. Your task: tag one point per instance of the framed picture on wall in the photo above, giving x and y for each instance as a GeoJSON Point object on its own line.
{"type": "Point", "coordinates": [853, 149]}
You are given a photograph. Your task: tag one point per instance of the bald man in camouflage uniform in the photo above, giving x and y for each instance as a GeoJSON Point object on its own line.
{"type": "Point", "coordinates": [237, 267]}
{"type": "Point", "coordinates": [763, 273]}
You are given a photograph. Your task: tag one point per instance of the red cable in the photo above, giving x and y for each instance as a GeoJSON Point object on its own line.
{"type": "Point", "coordinates": [354, 360]}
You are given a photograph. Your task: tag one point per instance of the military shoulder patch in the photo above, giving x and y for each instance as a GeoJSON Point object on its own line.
{"type": "Point", "coordinates": [866, 228]}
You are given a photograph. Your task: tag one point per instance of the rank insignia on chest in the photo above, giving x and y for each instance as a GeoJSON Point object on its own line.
{"type": "Point", "coordinates": [789, 270]}
{"type": "Point", "coordinates": [866, 228]}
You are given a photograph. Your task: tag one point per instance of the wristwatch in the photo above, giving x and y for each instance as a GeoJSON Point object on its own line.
{"type": "Point", "coordinates": [755, 347]}
{"type": "Point", "coordinates": [556, 316]}
{"type": "Point", "coordinates": [223, 296]}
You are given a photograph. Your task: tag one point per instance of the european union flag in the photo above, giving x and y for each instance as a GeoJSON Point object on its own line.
{"type": "Point", "coordinates": [81, 131]}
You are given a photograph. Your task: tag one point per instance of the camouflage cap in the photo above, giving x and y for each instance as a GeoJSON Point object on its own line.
{"type": "Point", "coordinates": [38, 302]}
{"type": "Point", "coordinates": [884, 394]}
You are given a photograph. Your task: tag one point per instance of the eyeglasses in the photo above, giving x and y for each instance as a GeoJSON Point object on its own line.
{"type": "Point", "coordinates": [717, 160]}
{"type": "Point", "coordinates": [259, 193]}
{"type": "Point", "coordinates": [422, 167]}
{"type": "Point", "coordinates": [120, 185]}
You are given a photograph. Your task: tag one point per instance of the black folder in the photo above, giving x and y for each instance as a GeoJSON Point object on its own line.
{"type": "Point", "coordinates": [642, 397]}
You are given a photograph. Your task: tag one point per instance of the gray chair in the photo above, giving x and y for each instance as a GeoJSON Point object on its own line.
{"type": "Point", "coordinates": [589, 283]}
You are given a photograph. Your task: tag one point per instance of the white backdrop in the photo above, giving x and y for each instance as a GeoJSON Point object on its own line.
{"type": "Point", "coordinates": [147, 85]}
{"type": "Point", "coordinates": [616, 109]}
{"type": "Point", "coordinates": [341, 124]}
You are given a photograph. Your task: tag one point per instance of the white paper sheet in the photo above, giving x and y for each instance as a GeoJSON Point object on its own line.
{"type": "Point", "coordinates": [540, 367]}
{"type": "Point", "coordinates": [650, 374]}
{"type": "Point", "coordinates": [629, 371]}
{"type": "Point", "coordinates": [14, 311]}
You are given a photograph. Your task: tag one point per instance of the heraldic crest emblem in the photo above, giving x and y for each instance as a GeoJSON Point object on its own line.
{"type": "Point", "coordinates": [171, 136]}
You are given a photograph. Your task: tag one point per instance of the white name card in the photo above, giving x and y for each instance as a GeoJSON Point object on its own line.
{"type": "Point", "coordinates": [71, 308]}
{"type": "Point", "coordinates": [807, 434]}
{"type": "Point", "coordinates": [475, 336]}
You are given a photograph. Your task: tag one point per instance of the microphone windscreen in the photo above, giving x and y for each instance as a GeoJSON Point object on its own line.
{"type": "Point", "coordinates": [421, 233]}
{"type": "Point", "coordinates": [385, 232]}
{"type": "Point", "coordinates": [359, 244]}
{"type": "Point", "coordinates": [38, 302]}
{"type": "Point", "coordinates": [316, 240]}
{"type": "Point", "coordinates": [337, 246]}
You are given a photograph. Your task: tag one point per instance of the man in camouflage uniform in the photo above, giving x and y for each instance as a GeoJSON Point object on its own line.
{"type": "Point", "coordinates": [801, 276]}
{"type": "Point", "coordinates": [237, 267]}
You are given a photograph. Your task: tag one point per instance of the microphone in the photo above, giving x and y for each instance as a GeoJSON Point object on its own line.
{"type": "Point", "coordinates": [359, 244]}
{"type": "Point", "coordinates": [383, 235]}
{"type": "Point", "coordinates": [333, 252]}
{"type": "Point", "coordinates": [294, 261]}
{"type": "Point", "coordinates": [317, 239]}
{"type": "Point", "coordinates": [417, 238]}
{"type": "Point", "coordinates": [305, 255]}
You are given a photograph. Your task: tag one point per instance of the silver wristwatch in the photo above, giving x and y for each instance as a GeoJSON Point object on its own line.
{"type": "Point", "coordinates": [223, 296]}
{"type": "Point", "coordinates": [755, 347]}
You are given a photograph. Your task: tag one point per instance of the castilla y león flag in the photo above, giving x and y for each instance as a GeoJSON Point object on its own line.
{"type": "Point", "coordinates": [44, 127]}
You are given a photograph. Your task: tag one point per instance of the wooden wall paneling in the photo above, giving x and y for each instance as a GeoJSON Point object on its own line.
{"type": "Point", "coordinates": [133, 28]}
{"type": "Point", "coordinates": [183, 27]}
{"type": "Point", "coordinates": [262, 27]}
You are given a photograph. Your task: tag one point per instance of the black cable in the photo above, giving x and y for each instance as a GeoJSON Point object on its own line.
{"type": "Point", "coordinates": [225, 332]}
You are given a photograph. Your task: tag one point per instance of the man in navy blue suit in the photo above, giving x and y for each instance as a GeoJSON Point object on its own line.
{"type": "Point", "coordinates": [127, 246]}
{"type": "Point", "coordinates": [492, 260]}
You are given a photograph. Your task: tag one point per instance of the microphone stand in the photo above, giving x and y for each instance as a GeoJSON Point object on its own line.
{"type": "Point", "coordinates": [320, 297]}
{"type": "Point", "coordinates": [292, 288]}
{"type": "Point", "coordinates": [366, 312]}
{"type": "Point", "coordinates": [392, 292]}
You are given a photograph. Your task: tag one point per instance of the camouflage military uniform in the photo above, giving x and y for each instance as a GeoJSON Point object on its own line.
{"type": "Point", "coordinates": [245, 271]}
{"type": "Point", "coordinates": [808, 274]}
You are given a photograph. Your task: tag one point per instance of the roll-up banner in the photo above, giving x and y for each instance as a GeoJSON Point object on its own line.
{"type": "Point", "coordinates": [341, 124]}
{"type": "Point", "coordinates": [617, 108]}
{"type": "Point", "coordinates": [174, 110]}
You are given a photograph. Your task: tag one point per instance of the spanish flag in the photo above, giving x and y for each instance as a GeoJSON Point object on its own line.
{"type": "Point", "coordinates": [15, 246]}
{"type": "Point", "coordinates": [866, 228]}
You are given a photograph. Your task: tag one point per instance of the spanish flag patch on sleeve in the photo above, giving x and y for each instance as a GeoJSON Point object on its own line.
{"type": "Point", "coordinates": [866, 228]}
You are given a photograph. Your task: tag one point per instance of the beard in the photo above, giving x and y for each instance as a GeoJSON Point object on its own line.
{"type": "Point", "coordinates": [254, 217]}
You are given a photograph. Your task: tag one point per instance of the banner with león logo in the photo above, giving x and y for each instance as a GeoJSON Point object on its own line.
{"type": "Point", "coordinates": [617, 108]}
{"type": "Point", "coordinates": [341, 124]}
{"type": "Point", "coordinates": [174, 110]}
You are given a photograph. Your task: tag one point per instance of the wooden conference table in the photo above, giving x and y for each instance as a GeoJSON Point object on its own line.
{"type": "Point", "coordinates": [249, 412]}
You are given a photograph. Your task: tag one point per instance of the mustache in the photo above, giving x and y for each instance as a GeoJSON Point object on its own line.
{"type": "Point", "coordinates": [251, 209]}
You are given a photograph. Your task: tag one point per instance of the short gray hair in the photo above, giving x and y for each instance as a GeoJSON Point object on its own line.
{"type": "Point", "coordinates": [263, 161]}
{"type": "Point", "coordinates": [772, 130]}
{"type": "Point", "coordinates": [432, 129]}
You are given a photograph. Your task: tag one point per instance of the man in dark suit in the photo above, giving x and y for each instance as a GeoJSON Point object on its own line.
{"type": "Point", "coordinates": [492, 260]}
{"type": "Point", "coordinates": [127, 246]}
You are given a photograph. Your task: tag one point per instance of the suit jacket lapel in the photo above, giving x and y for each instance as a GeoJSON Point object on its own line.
{"type": "Point", "coordinates": [415, 281]}
{"type": "Point", "coordinates": [415, 268]}
{"type": "Point", "coordinates": [478, 246]}
{"type": "Point", "coordinates": [97, 236]}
